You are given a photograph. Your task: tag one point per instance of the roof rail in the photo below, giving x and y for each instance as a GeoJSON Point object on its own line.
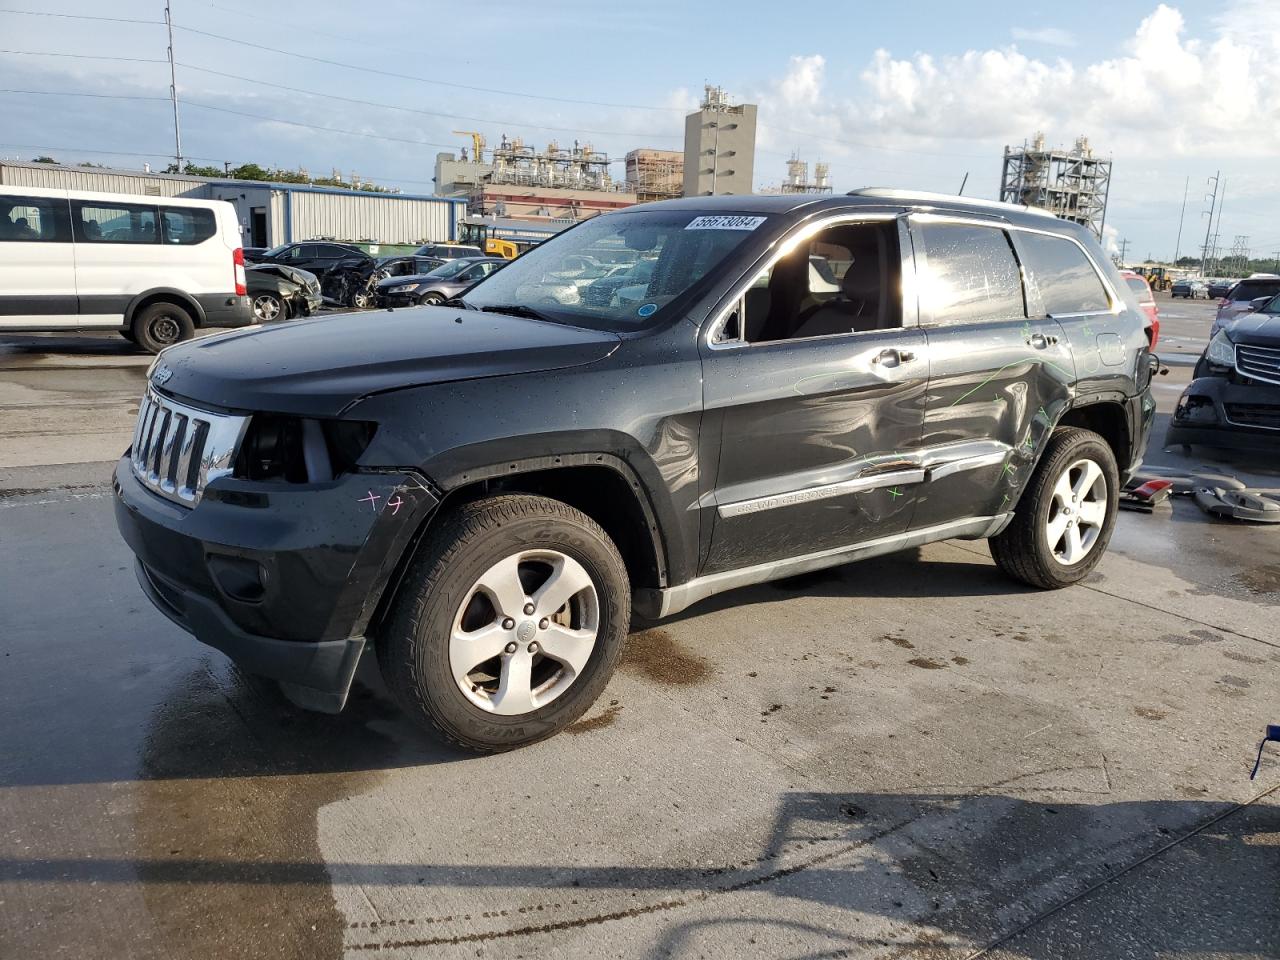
{"type": "Point", "coordinates": [922, 196]}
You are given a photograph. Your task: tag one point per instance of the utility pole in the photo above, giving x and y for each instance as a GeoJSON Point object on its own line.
{"type": "Point", "coordinates": [1124, 247]}
{"type": "Point", "coordinates": [1274, 253]}
{"type": "Point", "coordinates": [1213, 199]}
{"type": "Point", "coordinates": [1217, 227]}
{"type": "Point", "coordinates": [1240, 252]}
{"type": "Point", "coordinates": [1177, 247]}
{"type": "Point", "coordinates": [173, 90]}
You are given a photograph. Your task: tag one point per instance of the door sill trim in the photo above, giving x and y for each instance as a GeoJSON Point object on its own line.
{"type": "Point", "coordinates": [655, 604]}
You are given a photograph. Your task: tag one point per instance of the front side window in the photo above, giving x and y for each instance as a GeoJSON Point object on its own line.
{"type": "Point", "coordinates": [33, 220]}
{"type": "Point", "coordinates": [114, 223]}
{"type": "Point", "coordinates": [843, 280]}
{"type": "Point", "coordinates": [971, 274]}
{"type": "Point", "coordinates": [187, 226]}
{"type": "Point", "coordinates": [1252, 289]}
{"type": "Point", "coordinates": [1066, 278]}
{"type": "Point", "coordinates": [593, 275]}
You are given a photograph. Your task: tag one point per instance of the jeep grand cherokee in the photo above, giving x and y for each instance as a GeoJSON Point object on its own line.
{"type": "Point", "coordinates": [483, 490]}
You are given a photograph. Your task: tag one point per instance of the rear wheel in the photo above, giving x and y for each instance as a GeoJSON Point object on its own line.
{"type": "Point", "coordinates": [268, 307]}
{"type": "Point", "coordinates": [162, 325]}
{"type": "Point", "coordinates": [1064, 520]}
{"type": "Point", "coordinates": [128, 335]}
{"type": "Point", "coordinates": [509, 623]}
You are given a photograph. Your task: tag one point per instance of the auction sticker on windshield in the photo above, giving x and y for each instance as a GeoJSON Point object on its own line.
{"type": "Point", "coordinates": [725, 223]}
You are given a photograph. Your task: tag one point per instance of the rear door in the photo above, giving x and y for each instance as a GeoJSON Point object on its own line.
{"type": "Point", "coordinates": [998, 377]}
{"type": "Point", "coordinates": [37, 263]}
{"type": "Point", "coordinates": [818, 392]}
{"type": "Point", "coordinates": [118, 256]}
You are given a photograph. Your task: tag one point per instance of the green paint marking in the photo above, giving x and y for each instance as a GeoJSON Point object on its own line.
{"type": "Point", "coordinates": [1088, 331]}
{"type": "Point", "coordinates": [1043, 414]}
{"type": "Point", "coordinates": [895, 492]}
{"type": "Point", "coordinates": [1029, 442]}
{"type": "Point", "coordinates": [1009, 468]}
{"type": "Point", "coordinates": [1004, 500]}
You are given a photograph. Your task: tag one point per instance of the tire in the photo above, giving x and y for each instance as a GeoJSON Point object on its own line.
{"type": "Point", "coordinates": [128, 335]}
{"type": "Point", "coordinates": [269, 307]}
{"type": "Point", "coordinates": [431, 300]}
{"type": "Point", "coordinates": [363, 300]}
{"type": "Point", "coordinates": [162, 325]}
{"type": "Point", "coordinates": [1023, 549]}
{"type": "Point", "coordinates": [441, 601]}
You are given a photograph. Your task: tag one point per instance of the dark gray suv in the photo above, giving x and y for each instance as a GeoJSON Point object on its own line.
{"type": "Point", "coordinates": [762, 386]}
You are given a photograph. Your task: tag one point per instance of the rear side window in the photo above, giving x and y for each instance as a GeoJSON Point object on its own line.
{"type": "Point", "coordinates": [187, 226]}
{"type": "Point", "coordinates": [1139, 288]}
{"type": "Point", "coordinates": [34, 220]}
{"type": "Point", "coordinates": [972, 274]}
{"type": "Point", "coordinates": [1252, 289]}
{"type": "Point", "coordinates": [114, 222]}
{"type": "Point", "coordinates": [1067, 281]}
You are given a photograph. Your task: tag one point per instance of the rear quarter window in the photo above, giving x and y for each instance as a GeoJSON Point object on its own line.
{"type": "Point", "coordinates": [1065, 277]}
{"type": "Point", "coordinates": [1139, 288]}
{"type": "Point", "coordinates": [187, 226]}
{"type": "Point", "coordinates": [972, 274]}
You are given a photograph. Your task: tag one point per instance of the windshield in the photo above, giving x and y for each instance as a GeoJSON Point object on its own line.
{"type": "Point", "coordinates": [1271, 306]}
{"type": "Point", "coordinates": [616, 272]}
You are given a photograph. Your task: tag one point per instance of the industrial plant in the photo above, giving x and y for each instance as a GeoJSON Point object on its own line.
{"type": "Point", "coordinates": [1070, 183]}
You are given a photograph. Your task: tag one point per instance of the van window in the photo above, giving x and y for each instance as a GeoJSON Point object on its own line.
{"type": "Point", "coordinates": [972, 274]}
{"type": "Point", "coordinates": [34, 220]}
{"type": "Point", "coordinates": [114, 223]}
{"type": "Point", "coordinates": [187, 225]}
{"type": "Point", "coordinates": [1067, 281]}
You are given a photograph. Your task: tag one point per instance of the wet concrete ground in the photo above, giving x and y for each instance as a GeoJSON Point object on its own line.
{"type": "Point", "coordinates": [909, 757]}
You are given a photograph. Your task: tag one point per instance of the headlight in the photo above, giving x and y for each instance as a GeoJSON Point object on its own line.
{"type": "Point", "coordinates": [405, 288]}
{"type": "Point", "coordinates": [1221, 352]}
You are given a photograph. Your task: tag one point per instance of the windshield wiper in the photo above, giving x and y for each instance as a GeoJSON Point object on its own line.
{"type": "Point", "coordinates": [459, 302]}
{"type": "Point", "coordinates": [518, 310]}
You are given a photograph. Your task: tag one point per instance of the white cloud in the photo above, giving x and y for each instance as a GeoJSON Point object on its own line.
{"type": "Point", "coordinates": [1168, 93]}
{"type": "Point", "coordinates": [1051, 36]}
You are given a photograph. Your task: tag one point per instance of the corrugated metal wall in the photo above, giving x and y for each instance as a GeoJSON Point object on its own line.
{"type": "Point", "coordinates": [377, 218]}
{"type": "Point", "coordinates": [107, 181]}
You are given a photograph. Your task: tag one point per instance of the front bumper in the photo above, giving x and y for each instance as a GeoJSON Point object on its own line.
{"type": "Point", "coordinates": [283, 578]}
{"type": "Point", "coordinates": [394, 299]}
{"type": "Point", "coordinates": [1215, 412]}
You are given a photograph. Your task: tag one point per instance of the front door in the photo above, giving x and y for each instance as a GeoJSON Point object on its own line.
{"type": "Point", "coordinates": [998, 378]}
{"type": "Point", "coordinates": [816, 380]}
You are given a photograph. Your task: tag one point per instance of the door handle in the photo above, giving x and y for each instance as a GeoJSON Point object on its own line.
{"type": "Point", "coordinates": [1040, 340]}
{"type": "Point", "coordinates": [891, 356]}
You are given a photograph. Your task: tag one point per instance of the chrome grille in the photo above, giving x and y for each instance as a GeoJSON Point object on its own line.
{"type": "Point", "coordinates": [1254, 415]}
{"type": "Point", "coordinates": [1260, 363]}
{"type": "Point", "coordinates": [178, 450]}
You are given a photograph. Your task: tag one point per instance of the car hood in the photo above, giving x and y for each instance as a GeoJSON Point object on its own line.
{"type": "Point", "coordinates": [1255, 329]}
{"type": "Point", "coordinates": [285, 272]}
{"type": "Point", "coordinates": [318, 367]}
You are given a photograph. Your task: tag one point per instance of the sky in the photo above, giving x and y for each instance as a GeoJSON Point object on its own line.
{"type": "Point", "coordinates": [914, 94]}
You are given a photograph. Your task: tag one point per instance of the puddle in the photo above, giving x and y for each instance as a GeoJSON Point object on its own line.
{"type": "Point", "coordinates": [605, 718]}
{"type": "Point", "coordinates": [655, 656]}
{"type": "Point", "coordinates": [927, 663]}
{"type": "Point", "coordinates": [1261, 580]}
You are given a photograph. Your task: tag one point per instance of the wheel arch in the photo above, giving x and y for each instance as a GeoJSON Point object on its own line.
{"type": "Point", "coordinates": [595, 483]}
{"type": "Point", "coordinates": [1109, 418]}
{"type": "Point", "coordinates": [164, 295]}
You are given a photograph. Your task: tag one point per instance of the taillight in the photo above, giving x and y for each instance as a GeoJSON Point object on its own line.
{"type": "Point", "coordinates": [237, 265]}
{"type": "Point", "coordinates": [1223, 302]}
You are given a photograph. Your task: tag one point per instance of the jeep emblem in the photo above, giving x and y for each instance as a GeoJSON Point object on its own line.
{"type": "Point", "coordinates": [161, 376]}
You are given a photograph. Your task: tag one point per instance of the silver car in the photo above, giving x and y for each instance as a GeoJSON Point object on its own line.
{"type": "Point", "coordinates": [444, 282]}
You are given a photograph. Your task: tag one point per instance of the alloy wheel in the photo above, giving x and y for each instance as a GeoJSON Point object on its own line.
{"type": "Point", "coordinates": [266, 308]}
{"type": "Point", "coordinates": [1077, 512]}
{"type": "Point", "coordinates": [524, 632]}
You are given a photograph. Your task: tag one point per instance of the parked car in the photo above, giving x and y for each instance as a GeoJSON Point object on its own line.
{"type": "Point", "coordinates": [436, 286]}
{"type": "Point", "coordinates": [1234, 401]}
{"type": "Point", "coordinates": [1188, 288]}
{"type": "Point", "coordinates": [1146, 302]}
{"type": "Point", "coordinates": [1217, 288]}
{"type": "Point", "coordinates": [486, 488]}
{"type": "Point", "coordinates": [1239, 299]}
{"type": "Point", "coordinates": [411, 266]}
{"type": "Point", "coordinates": [281, 292]}
{"type": "Point", "coordinates": [448, 251]}
{"type": "Point", "coordinates": [317, 257]}
{"type": "Point", "coordinates": [153, 270]}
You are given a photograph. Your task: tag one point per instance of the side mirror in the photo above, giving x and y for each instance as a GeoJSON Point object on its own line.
{"type": "Point", "coordinates": [1257, 303]}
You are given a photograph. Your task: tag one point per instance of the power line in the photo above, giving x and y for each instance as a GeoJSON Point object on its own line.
{"type": "Point", "coordinates": [79, 16]}
{"type": "Point", "coordinates": [424, 113]}
{"type": "Point", "coordinates": [95, 96]}
{"type": "Point", "coordinates": [104, 153]}
{"type": "Point", "coordinates": [312, 126]}
{"type": "Point", "coordinates": [81, 56]}
{"type": "Point", "coordinates": [427, 80]}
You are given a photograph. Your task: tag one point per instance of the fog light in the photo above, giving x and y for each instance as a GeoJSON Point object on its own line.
{"type": "Point", "coordinates": [240, 579]}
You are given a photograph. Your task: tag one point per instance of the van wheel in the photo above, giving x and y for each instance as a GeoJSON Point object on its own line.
{"type": "Point", "coordinates": [1064, 520]}
{"type": "Point", "coordinates": [162, 325]}
{"type": "Point", "coordinates": [509, 623]}
{"type": "Point", "coordinates": [128, 335]}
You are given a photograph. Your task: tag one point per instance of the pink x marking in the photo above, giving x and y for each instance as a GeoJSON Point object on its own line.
{"type": "Point", "coordinates": [372, 499]}
{"type": "Point", "coordinates": [395, 505]}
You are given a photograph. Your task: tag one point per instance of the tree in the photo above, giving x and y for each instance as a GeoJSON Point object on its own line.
{"type": "Point", "coordinates": [195, 170]}
{"type": "Point", "coordinates": [44, 160]}
{"type": "Point", "coordinates": [250, 171]}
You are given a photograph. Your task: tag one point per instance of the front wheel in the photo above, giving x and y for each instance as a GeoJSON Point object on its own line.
{"type": "Point", "coordinates": [1064, 520]}
{"type": "Point", "coordinates": [268, 307]}
{"type": "Point", "coordinates": [509, 623]}
{"type": "Point", "coordinates": [432, 300]}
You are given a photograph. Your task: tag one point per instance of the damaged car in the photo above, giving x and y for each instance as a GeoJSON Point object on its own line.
{"type": "Point", "coordinates": [281, 292]}
{"type": "Point", "coordinates": [1234, 401]}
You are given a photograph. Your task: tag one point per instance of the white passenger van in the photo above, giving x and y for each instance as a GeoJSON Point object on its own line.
{"type": "Point", "coordinates": [152, 268]}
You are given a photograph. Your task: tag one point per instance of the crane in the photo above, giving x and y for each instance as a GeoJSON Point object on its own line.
{"type": "Point", "coordinates": [477, 144]}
